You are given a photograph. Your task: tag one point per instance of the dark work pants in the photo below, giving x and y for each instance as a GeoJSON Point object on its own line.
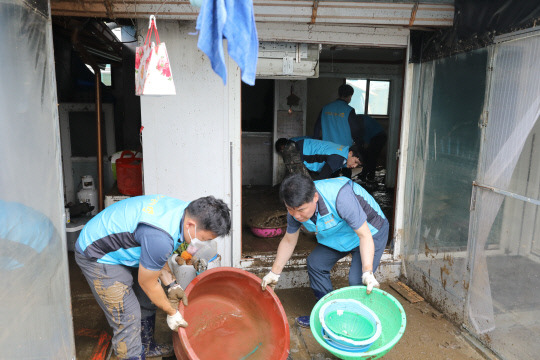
{"type": "Point", "coordinates": [322, 259]}
{"type": "Point", "coordinates": [117, 291]}
{"type": "Point", "coordinates": [371, 154]}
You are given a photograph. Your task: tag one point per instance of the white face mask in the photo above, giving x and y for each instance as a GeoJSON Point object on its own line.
{"type": "Point", "coordinates": [195, 243]}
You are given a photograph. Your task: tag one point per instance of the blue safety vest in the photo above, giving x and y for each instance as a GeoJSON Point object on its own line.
{"type": "Point", "coordinates": [335, 123]}
{"type": "Point", "coordinates": [315, 153]}
{"type": "Point", "coordinates": [331, 230]}
{"type": "Point", "coordinates": [108, 237]}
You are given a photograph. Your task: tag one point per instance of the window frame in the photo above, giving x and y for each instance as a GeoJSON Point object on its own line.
{"type": "Point", "coordinates": [366, 100]}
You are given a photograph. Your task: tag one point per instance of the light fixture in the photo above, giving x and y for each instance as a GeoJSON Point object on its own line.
{"type": "Point", "coordinates": [292, 100]}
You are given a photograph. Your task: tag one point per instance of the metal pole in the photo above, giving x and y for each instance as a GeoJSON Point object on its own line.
{"type": "Point", "coordinates": [507, 193]}
{"type": "Point", "coordinates": [97, 73]}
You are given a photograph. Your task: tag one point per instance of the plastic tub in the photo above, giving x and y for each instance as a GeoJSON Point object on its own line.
{"type": "Point", "coordinates": [385, 306]}
{"type": "Point", "coordinates": [268, 232]}
{"type": "Point", "coordinates": [231, 318]}
{"type": "Point", "coordinates": [340, 346]}
{"type": "Point", "coordinates": [350, 323]}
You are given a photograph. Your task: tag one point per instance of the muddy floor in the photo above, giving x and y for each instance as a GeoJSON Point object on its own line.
{"type": "Point", "coordinates": [428, 334]}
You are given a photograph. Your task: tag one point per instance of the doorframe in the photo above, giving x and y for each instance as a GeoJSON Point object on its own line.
{"type": "Point", "coordinates": [362, 36]}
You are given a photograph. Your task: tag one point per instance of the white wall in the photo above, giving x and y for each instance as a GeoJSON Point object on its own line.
{"type": "Point", "coordinates": [191, 141]}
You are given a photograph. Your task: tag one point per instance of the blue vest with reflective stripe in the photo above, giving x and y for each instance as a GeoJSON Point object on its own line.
{"type": "Point", "coordinates": [111, 231]}
{"type": "Point", "coordinates": [331, 230]}
{"type": "Point", "coordinates": [335, 123]}
{"type": "Point", "coordinates": [315, 153]}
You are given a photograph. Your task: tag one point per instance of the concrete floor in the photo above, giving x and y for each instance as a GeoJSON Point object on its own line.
{"type": "Point", "coordinates": [428, 334]}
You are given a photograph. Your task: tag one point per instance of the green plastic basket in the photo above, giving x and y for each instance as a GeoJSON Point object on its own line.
{"type": "Point", "coordinates": [350, 325]}
{"type": "Point", "coordinates": [388, 309]}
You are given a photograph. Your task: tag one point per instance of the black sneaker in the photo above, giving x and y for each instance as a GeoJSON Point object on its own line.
{"type": "Point", "coordinates": [303, 321]}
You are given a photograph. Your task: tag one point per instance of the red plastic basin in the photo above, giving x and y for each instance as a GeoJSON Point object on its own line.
{"type": "Point", "coordinates": [268, 232]}
{"type": "Point", "coordinates": [231, 318]}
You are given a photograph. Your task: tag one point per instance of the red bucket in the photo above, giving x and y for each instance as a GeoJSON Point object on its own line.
{"type": "Point", "coordinates": [129, 174]}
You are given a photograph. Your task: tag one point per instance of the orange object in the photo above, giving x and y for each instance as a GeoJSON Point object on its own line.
{"type": "Point", "coordinates": [104, 341]}
{"type": "Point", "coordinates": [231, 316]}
{"type": "Point", "coordinates": [185, 255]}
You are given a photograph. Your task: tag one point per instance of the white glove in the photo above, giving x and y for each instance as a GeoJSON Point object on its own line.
{"type": "Point", "coordinates": [175, 293]}
{"type": "Point", "coordinates": [369, 280]}
{"type": "Point", "coordinates": [175, 321]}
{"type": "Point", "coordinates": [270, 279]}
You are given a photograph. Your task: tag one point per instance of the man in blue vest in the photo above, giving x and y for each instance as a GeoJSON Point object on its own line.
{"type": "Point", "coordinates": [323, 159]}
{"type": "Point", "coordinates": [345, 219]}
{"type": "Point", "coordinates": [122, 252]}
{"type": "Point", "coordinates": [337, 121]}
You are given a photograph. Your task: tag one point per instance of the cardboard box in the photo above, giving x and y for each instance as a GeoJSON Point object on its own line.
{"type": "Point", "coordinates": [111, 199]}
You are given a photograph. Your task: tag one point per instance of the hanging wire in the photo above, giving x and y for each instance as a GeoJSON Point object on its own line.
{"type": "Point", "coordinates": [159, 8]}
{"type": "Point", "coordinates": [137, 36]}
{"type": "Point", "coordinates": [134, 14]}
{"type": "Point", "coordinates": [332, 52]}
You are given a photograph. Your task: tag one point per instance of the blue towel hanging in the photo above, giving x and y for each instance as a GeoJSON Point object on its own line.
{"type": "Point", "coordinates": [235, 21]}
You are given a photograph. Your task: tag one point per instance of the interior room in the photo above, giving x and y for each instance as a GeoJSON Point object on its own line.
{"type": "Point", "coordinates": [84, 47]}
{"type": "Point", "coordinates": [376, 76]}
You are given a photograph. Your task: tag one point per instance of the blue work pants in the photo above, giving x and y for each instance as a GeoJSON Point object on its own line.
{"type": "Point", "coordinates": [322, 259]}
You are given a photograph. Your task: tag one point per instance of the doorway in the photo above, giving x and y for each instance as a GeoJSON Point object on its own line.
{"type": "Point", "coordinates": [381, 73]}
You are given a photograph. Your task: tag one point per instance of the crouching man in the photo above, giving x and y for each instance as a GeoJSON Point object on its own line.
{"type": "Point", "coordinates": [122, 252]}
{"type": "Point", "coordinates": [346, 220]}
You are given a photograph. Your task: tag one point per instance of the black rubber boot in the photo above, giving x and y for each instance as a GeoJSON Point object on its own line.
{"type": "Point", "coordinates": [293, 159]}
{"type": "Point", "coordinates": [151, 349]}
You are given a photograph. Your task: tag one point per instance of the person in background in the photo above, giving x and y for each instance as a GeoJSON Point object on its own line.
{"type": "Point", "coordinates": [292, 158]}
{"type": "Point", "coordinates": [373, 141]}
{"type": "Point", "coordinates": [122, 253]}
{"type": "Point", "coordinates": [323, 159]}
{"type": "Point", "coordinates": [346, 220]}
{"type": "Point", "coordinates": [337, 121]}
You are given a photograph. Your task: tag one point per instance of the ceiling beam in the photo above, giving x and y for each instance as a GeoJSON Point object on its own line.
{"type": "Point", "coordinates": [391, 37]}
{"type": "Point", "coordinates": [289, 11]}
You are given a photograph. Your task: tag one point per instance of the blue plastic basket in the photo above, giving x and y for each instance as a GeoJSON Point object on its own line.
{"type": "Point", "coordinates": [339, 346]}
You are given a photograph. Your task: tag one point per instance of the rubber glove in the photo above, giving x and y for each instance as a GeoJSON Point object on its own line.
{"type": "Point", "coordinates": [176, 321]}
{"type": "Point", "coordinates": [175, 294]}
{"type": "Point", "coordinates": [270, 279]}
{"type": "Point", "coordinates": [369, 280]}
